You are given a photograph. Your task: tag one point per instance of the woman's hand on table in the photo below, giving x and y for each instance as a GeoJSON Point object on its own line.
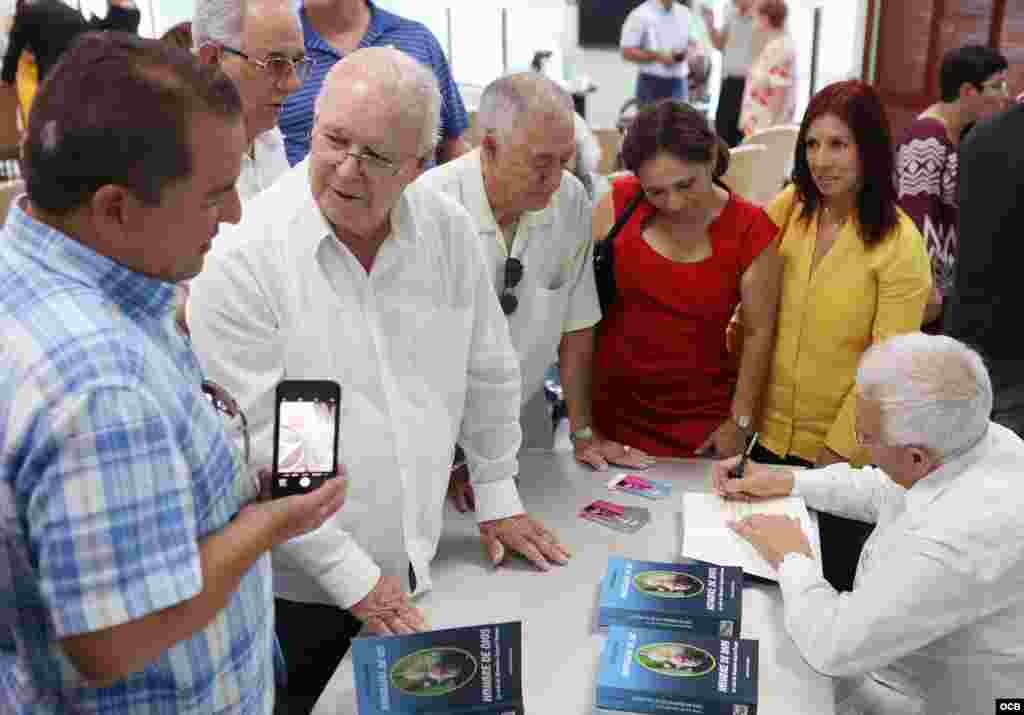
{"type": "Point", "coordinates": [726, 441]}
{"type": "Point", "coordinates": [600, 452]}
{"type": "Point", "coordinates": [387, 610]}
{"type": "Point", "coordinates": [774, 536]}
{"type": "Point", "coordinates": [525, 536]}
{"type": "Point", "coordinates": [759, 481]}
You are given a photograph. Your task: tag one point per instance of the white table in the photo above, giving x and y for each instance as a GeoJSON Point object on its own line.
{"type": "Point", "coordinates": [558, 609]}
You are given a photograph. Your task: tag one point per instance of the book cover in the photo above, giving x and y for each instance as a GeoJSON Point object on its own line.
{"type": "Point", "coordinates": [701, 598]}
{"type": "Point", "coordinates": [472, 669]}
{"type": "Point", "coordinates": [647, 670]}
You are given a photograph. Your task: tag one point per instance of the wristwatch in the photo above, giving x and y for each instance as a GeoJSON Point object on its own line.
{"type": "Point", "coordinates": [742, 421]}
{"type": "Point", "coordinates": [584, 433]}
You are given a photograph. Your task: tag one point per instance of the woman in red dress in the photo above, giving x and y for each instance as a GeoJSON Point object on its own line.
{"type": "Point", "coordinates": [663, 381]}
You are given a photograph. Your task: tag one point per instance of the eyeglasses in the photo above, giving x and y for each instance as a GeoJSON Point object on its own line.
{"type": "Point", "coordinates": [277, 66]}
{"type": "Point", "coordinates": [513, 274]}
{"type": "Point", "coordinates": [373, 164]}
{"type": "Point", "coordinates": [231, 414]}
{"type": "Point", "coordinates": [997, 87]}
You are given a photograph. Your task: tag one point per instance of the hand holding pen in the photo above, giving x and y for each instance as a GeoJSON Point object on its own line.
{"type": "Point", "coordinates": [741, 467]}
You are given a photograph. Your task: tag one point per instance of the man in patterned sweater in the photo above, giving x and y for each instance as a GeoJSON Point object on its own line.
{"type": "Point", "coordinates": [973, 84]}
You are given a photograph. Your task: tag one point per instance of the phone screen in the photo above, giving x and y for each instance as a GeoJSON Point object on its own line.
{"type": "Point", "coordinates": [305, 437]}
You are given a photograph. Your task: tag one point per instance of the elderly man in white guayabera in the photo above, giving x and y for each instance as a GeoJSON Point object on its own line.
{"type": "Point", "coordinates": [934, 621]}
{"type": "Point", "coordinates": [348, 272]}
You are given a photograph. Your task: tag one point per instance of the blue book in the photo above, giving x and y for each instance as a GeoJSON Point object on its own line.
{"type": "Point", "coordinates": [473, 669]}
{"type": "Point", "coordinates": [645, 670]}
{"type": "Point", "coordinates": [701, 598]}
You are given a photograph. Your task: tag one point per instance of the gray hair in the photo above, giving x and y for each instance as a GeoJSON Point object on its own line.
{"type": "Point", "coordinates": [507, 99]}
{"type": "Point", "coordinates": [406, 81]}
{"type": "Point", "coordinates": [934, 392]}
{"type": "Point", "coordinates": [219, 22]}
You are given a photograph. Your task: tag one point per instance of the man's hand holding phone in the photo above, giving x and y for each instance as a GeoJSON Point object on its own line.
{"type": "Point", "coordinates": [387, 610]}
{"type": "Point", "coordinates": [285, 518]}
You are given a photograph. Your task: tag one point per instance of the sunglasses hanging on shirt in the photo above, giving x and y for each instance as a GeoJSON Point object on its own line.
{"type": "Point", "coordinates": [513, 274]}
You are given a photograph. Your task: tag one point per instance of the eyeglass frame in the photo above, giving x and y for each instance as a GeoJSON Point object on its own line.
{"type": "Point", "coordinates": [218, 395]}
{"type": "Point", "coordinates": [308, 62]}
{"type": "Point", "coordinates": [376, 161]}
{"type": "Point", "coordinates": [1000, 87]}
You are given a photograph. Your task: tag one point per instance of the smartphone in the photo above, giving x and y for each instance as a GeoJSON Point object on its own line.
{"type": "Point", "coordinates": [305, 435]}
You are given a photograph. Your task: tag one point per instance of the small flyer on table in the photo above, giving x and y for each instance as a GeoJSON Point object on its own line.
{"type": "Point", "coordinates": [699, 597]}
{"type": "Point", "coordinates": [658, 671]}
{"type": "Point", "coordinates": [472, 669]}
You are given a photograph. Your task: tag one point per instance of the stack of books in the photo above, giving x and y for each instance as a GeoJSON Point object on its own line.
{"type": "Point", "coordinates": [673, 640]}
{"type": "Point", "coordinates": [673, 646]}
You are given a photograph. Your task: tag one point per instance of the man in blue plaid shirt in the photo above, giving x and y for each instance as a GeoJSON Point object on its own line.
{"type": "Point", "coordinates": [134, 575]}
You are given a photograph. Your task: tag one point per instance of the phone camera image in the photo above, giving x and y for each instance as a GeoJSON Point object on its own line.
{"type": "Point", "coordinates": [305, 450]}
{"type": "Point", "coordinates": [307, 438]}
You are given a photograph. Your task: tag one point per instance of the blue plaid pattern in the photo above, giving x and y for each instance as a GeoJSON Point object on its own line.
{"type": "Point", "coordinates": [113, 467]}
{"type": "Point", "coordinates": [386, 29]}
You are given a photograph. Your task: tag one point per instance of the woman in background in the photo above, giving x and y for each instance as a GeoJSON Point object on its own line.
{"type": "Point", "coordinates": [855, 272]}
{"type": "Point", "coordinates": [769, 96]}
{"type": "Point", "coordinates": [662, 380]}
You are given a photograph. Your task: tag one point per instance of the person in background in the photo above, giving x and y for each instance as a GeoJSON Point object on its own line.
{"type": "Point", "coordinates": [532, 215]}
{"type": "Point", "coordinates": [856, 272]}
{"type": "Point", "coordinates": [663, 381]}
{"type": "Point", "coordinates": [735, 40]}
{"type": "Point", "coordinates": [769, 97]}
{"type": "Point", "coordinates": [350, 271]}
{"type": "Point", "coordinates": [656, 36]}
{"type": "Point", "coordinates": [933, 622]}
{"type": "Point", "coordinates": [986, 304]}
{"type": "Point", "coordinates": [972, 80]}
{"type": "Point", "coordinates": [135, 575]}
{"type": "Point", "coordinates": [258, 44]}
{"type": "Point", "coordinates": [179, 36]}
{"type": "Point", "coordinates": [333, 29]}
{"type": "Point", "coordinates": [47, 28]}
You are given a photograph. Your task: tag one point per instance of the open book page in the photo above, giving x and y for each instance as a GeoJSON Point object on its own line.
{"type": "Point", "coordinates": [706, 535]}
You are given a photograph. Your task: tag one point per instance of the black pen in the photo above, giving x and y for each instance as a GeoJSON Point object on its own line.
{"type": "Point", "coordinates": [738, 472]}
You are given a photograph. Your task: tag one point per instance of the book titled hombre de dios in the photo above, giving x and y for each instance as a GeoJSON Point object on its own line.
{"type": "Point", "coordinates": [471, 669]}
{"type": "Point", "coordinates": [653, 671]}
{"type": "Point", "coordinates": [698, 597]}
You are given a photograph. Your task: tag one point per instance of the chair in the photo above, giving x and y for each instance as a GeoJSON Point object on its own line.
{"type": "Point", "coordinates": [744, 167]}
{"type": "Point", "coordinates": [780, 143]}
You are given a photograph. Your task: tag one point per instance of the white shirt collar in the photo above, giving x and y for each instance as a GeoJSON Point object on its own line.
{"type": "Point", "coordinates": [927, 490]}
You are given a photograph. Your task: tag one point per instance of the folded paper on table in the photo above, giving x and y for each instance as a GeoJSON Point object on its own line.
{"type": "Point", "coordinates": [707, 536]}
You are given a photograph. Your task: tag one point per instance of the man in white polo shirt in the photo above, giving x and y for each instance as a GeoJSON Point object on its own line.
{"type": "Point", "coordinates": [533, 217]}
{"type": "Point", "coordinates": [656, 36]}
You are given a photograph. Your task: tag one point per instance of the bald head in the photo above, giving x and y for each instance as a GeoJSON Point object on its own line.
{"type": "Point", "coordinates": [510, 101]}
{"type": "Point", "coordinates": [390, 83]}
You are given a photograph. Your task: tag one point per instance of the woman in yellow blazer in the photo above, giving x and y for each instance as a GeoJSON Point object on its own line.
{"type": "Point", "coordinates": [856, 271]}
